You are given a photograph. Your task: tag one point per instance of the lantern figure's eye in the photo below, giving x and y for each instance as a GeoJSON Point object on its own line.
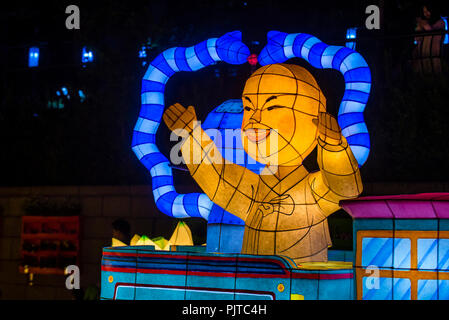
{"type": "Point", "coordinates": [274, 107]}
{"type": "Point", "coordinates": [248, 108]}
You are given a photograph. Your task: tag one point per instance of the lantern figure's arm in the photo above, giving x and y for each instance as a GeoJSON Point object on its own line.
{"type": "Point", "coordinates": [227, 184]}
{"type": "Point", "coordinates": [339, 175]}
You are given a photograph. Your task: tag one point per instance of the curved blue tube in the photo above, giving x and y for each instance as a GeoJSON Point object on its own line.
{"type": "Point", "coordinates": [228, 48]}
{"type": "Point", "coordinates": [282, 46]}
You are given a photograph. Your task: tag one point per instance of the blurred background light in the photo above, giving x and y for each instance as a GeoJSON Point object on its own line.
{"type": "Point", "coordinates": [33, 57]}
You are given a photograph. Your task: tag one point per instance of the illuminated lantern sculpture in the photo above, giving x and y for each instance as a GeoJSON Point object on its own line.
{"type": "Point", "coordinates": [252, 59]}
{"type": "Point", "coordinates": [284, 207]}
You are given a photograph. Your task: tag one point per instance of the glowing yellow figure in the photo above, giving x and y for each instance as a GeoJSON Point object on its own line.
{"type": "Point", "coordinates": [285, 208]}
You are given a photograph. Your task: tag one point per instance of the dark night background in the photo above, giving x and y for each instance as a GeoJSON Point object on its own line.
{"type": "Point", "coordinates": [89, 143]}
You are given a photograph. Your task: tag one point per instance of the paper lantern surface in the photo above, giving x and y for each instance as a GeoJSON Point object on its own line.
{"type": "Point", "coordinates": [285, 208]}
{"type": "Point", "coordinates": [282, 46]}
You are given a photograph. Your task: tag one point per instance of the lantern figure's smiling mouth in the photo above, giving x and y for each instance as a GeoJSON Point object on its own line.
{"type": "Point", "coordinates": [257, 135]}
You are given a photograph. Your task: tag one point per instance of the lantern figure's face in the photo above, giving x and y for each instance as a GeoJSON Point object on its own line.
{"type": "Point", "coordinates": [280, 101]}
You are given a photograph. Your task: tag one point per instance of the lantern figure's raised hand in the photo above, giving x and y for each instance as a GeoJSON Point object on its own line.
{"type": "Point", "coordinates": [285, 207]}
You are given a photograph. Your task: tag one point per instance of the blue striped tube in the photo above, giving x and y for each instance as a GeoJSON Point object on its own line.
{"type": "Point", "coordinates": [228, 48]}
{"type": "Point", "coordinates": [282, 46]}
